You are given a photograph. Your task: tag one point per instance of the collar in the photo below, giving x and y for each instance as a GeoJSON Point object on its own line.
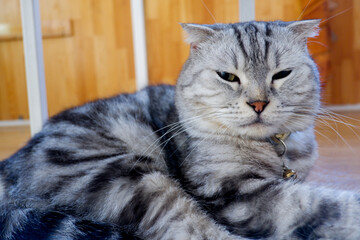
{"type": "Point", "coordinates": [280, 138]}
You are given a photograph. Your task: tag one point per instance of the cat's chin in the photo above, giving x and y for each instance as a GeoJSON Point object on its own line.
{"type": "Point", "coordinates": [257, 131]}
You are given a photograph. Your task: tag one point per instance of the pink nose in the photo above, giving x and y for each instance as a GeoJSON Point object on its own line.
{"type": "Point", "coordinates": [258, 106]}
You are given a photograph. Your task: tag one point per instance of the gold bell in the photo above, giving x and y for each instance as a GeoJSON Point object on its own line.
{"type": "Point", "coordinates": [289, 173]}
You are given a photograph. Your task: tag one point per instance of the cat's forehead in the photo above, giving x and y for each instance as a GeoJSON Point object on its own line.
{"type": "Point", "coordinates": [262, 28]}
{"type": "Point", "coordinates": [251, 45]}
{"type": "Point", "coordinates": [254, 40]}
{"type": "Point", "coordinates": [252, 28]}
{"type": "Point", "coordinates": [198, 33]}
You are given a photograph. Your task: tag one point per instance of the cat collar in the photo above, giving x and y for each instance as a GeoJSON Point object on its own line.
{"type": "Point", "coordinates": [280, 138]}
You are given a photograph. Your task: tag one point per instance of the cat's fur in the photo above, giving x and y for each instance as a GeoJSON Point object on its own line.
{"type": "Point", "coordinates": [192, 163]}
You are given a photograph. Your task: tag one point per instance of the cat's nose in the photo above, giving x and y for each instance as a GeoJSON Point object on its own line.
{"type": "Point", "coordinates": [258, 106]}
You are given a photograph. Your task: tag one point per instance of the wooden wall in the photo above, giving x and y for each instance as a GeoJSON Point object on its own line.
{"type": "Point", "coordinates": [343, 83]}
{"type": "Point", "coordinates": [286, 10]}
{"type": "Point", "coordinates": [95, 61]}
{"type": "Point", "coordinates": [93, 57]}
{"type": "Point", "coordinates": [13, 97]}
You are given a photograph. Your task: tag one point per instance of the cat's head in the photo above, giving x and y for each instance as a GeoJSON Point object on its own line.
{"type": "Point", "coordinates": [251, 79]}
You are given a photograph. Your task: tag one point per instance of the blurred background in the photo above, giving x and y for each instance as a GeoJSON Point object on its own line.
{"type": "Point", "coordinates": [88, 54]}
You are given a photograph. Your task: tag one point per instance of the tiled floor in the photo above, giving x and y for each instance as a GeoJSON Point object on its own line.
{"type": "Point", "coordinates": [339, 148]}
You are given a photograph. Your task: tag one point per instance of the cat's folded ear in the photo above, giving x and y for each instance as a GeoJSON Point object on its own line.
{"type": "Point", "coordinates": [305, 28]}
{"type": "Point", "coordinates": [196, 33]}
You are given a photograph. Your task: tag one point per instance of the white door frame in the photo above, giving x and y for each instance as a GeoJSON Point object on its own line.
{"type": "Point", "coordinates": [34, 64]}
{"type": "Point", "coordinates": [246, 10]}
{"type": "Point", "coordinates": [139, 44]}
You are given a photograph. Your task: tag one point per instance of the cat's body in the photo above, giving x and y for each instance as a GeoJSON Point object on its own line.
{"type": "Point", "coordinates": [197, 162]}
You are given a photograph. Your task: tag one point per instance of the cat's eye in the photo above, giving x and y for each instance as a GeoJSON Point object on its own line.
{"type": "Point", "coordinates": [229, 77]}
{"type": "Point", "coordinates": [281, 74]}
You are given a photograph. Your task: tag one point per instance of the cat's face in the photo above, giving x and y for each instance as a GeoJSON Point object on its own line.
{"type": "Point", "coordinates": [251, 79]}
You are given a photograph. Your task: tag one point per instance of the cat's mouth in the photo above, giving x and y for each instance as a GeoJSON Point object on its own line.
{"type": "Point", "coordinates": [258, 122]}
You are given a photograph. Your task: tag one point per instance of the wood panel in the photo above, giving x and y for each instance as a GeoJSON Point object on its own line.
{"type": "Point", "coordinates": [344, 79]}
{"type": "Point", "coordinates": [13, 96]}
{"type": "Point", "coordinates": [96, 61]}
{"type": "Point", "coordinates": [337, 49]}
{"type": "Point", "coordinates": [50, 29]}
{"type": "Point", "coordinates": [285, 10]}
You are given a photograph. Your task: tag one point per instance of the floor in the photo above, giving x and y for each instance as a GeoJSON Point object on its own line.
{"type": "Point", "coordinates": [339, 148]}
{"type": "Point", "coordinates": [338, 165]}
{"type": "Point", "coordinates": [12, 138]}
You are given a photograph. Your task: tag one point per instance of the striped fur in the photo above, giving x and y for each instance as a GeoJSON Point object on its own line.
{"type": "Point", "coordinates": [195, 162]}
{"type": "Point", "coordinates": [34, 224]}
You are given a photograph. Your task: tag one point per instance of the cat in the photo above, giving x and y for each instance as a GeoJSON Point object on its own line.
{"type": "Point", "coordinates": [223, 155]}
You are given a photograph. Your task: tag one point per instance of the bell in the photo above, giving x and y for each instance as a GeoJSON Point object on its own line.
{"type": "Point", "coordinates": [289, 173]}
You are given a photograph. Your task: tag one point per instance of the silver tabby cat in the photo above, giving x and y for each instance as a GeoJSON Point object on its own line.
{"type": "Point", "coordinates": [195, 162]}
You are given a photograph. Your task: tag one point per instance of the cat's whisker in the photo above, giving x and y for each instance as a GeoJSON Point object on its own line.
{"type": "Point", "coordinates": [168, 140]}
{"type": "Point", "coordinates": [335, 119]}
{"type": "Point", "coordinates": [175, 123]}
{"type": "Point", "coordinates": [323, 123]}
{"type": "Point", "coordinates": [177, 133]}
{"type": "Point", "coordinates": [331, 113]}
{"type": "Point", "coordinates": [344, 11]}
{"type": "Point", "coordinates": [207, 9]}
{"type": "Point", "coordinates": [176, 128]}
{"type": "Point", "coordinates": [200, 142]}
{"type": "Point", "coordinates": [338, 119]}
{"type": "Point", "coordinates": [303, 11]}
{"type": "Point", "coordinates": [300, 124]}
{"type": "Point", "coordinates": [214, 116]}
{"type": "Point", "coordinates": [294, 122]}
{"type": "Point", "coordinates": [338, 134]}
{"type": "Point", "coordinates": [343, 116]}
{"type": "Point", "coordinates": [320, 43]}
{"type": "Point", "coordinates": [324, 136]}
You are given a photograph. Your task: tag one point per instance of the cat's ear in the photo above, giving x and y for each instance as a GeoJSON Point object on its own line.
{"type": "Point", "coordinates": [196, 33]}
{"type": "Point", "coordinates": [305, 28]}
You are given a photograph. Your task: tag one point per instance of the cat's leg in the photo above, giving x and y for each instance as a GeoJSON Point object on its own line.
{"type": "Point", "coordinates": [31, 223]}
{"type": "Point", "coordinates": [159, 209]}
{"type": "Point", "coordinates": [151, 205]}
{"type": "Point", "coordinates": [289, 210]}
